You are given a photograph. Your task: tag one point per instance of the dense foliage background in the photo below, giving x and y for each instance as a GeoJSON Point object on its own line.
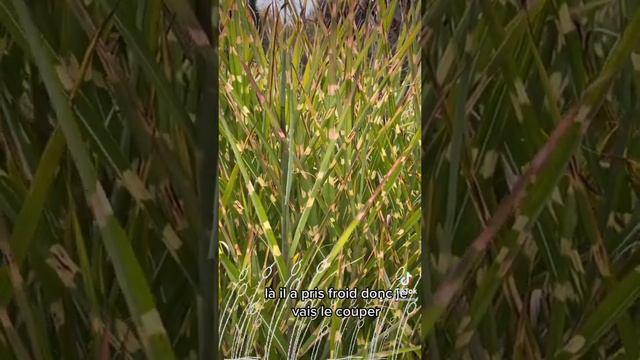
{"type": "Point", "coordinates": [531, 194]}
{"type": "Point", "coordinates": [108, 155]}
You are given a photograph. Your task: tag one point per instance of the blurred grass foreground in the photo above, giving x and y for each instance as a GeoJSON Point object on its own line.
{"type": "Point", "coordinates": [531, 192]}
{"type": "Point", "coordinates": [107, 183]}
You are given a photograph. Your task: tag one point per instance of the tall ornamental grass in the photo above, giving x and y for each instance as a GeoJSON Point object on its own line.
{"type": "Point", "coordinates": [319, 179]}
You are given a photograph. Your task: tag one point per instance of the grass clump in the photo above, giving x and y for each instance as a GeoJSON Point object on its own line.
{"type": "Point", "coordinates": [319, 181]}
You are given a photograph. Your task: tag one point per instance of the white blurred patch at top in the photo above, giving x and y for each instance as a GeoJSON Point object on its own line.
{"type": "Point", "coordinates": [304, 8]}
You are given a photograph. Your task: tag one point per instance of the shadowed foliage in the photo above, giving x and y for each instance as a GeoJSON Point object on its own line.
{"type": "Point", "coordinates": [108, 136]}
{"type": "Point", "coordinates": [531, 193]}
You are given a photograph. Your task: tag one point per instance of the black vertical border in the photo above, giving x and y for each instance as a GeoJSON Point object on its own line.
{"type": "Point", "coordinates": [207, 120]}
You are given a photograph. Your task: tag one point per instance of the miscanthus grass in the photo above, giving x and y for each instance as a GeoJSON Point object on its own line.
{"type": "Point", "coordinates": [532, 207]}
{"type": "Point", "coordinates": [319, 180]}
